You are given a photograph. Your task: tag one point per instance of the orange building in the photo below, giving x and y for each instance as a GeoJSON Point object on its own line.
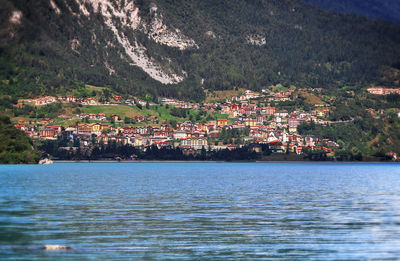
{"type": "Point", "coordinates": [222, 122]}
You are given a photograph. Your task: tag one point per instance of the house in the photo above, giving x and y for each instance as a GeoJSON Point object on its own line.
{"type": "Point", "coordinates": [46, 120]}
{"type": "Point", "coordinates": [139, 118]}
{"type": "Point", "coordinates": [251, 122]}
{"type": "Point", "coordinates": [276, 146]}
{"type": "Point", "coordinates": [310, 140]}
{"type": "Point", "coordinates": [213, 134]}
{"type": "Point", "coordinates": [282, 113]}
{"type": "Point", "coordinates": [20, 127]}
{"type": "Point", "coordinates": [45, 100]}
{"type": "Point", "coordinates": [298, 149]}
{"type": "Point", "coordinates": [121, 140]}
{"type": "Point", "coordinates": [84, 129]}
{"type": "Point", "coordinates": [320, 112]}
{"type": "Point", "coordinates": [66, 99]}
{"type": "Point", "coordinates": [142, 130]}
{"type": "Point", "coordinates": [30, 133]}
{"type": "Point", "coordinates": [101, 117]}
{"type": "Point", "coordinates": [179, 135]}
{"type": "Point", "coordinates": [211, 125]}
{"type": "Point", "coordinates": [271, 137]}
{"type": "Point", "coordinates": [231, 147]}
{"type": "Point", "coordinates": [195, 143]}
{"type": "Point", "coordinates": [117, 98]}
{"type": "Point", "coordinates": [48, 133]}
{"type": "Point", "coordinates": [222, 122]}
{"type": "Point", "coordinates": [160, 134]}
{"type": "Point", "coordinates": [270, 110]}
{"type": "Point", "coordinates": [251, 95]}
{"type": "Point", "coordinates": [278, 119]}
{"type": "Point", "coordinates": [162, 144]}
{"type": "Point", "coordinates": [153, 119]}
{"type": "Point", "coordinates": [331, 144]}
{"type": "Point", "coordinates": [293, 123]}
{"type": "Point", "coordinates": [140, 141]}
{"type": "Point", "coordinates": [96, 128]}
{"type": "Point", "coordinates": [57, 128]}
{"type": "Point", "coordinates": [115, 118]}
{"type": "Point", "coordinates": [292, 129]}
{"type": "Point", "coordinates": [392, 155]}
{"type": "Point", "coordinates": [260, 119]}
{"type": "Point", "coordinates": [383, 91]}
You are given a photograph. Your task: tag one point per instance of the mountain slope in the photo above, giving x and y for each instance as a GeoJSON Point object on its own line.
{"type": "Point", "coordinates": [383, 9]}
{"type": "Point", "coordinates": [178, 48]}
{"type": "Point", "coordinates": [15, 146]}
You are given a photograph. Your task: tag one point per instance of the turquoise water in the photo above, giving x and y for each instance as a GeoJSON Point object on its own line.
{"type": "Point", "coordinates": [200, 211]}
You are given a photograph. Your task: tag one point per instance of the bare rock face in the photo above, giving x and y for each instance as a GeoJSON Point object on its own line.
{"type": "Point", "coordinates": [123, 16]}
{"type": "Point", "coordinates": [15, 22]}
{"type": "Point", "coordinates": [55, 7]}
{"type": "Point", "coordinates": [256, 39]}
{"type": "Point", "coordinates": [211, 34]}
{"type": "Point", "coordinates": [16, 17]}
{"type": "Point", "coordinates": [161, 34]}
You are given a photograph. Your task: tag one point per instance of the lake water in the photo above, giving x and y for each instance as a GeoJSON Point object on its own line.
{"type": "Point", "coordinates": [200, 211]}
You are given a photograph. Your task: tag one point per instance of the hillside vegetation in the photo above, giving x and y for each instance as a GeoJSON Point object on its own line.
{"type": "Point", "coordinates": [241, 44]}
{"type": "Point", "coordinates": [15, 146]}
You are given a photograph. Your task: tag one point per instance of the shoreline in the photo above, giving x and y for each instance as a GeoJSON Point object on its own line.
{"type": "Point", "coordinates": [199, 161]}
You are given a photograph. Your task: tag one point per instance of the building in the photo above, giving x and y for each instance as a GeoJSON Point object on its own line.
{"type": "Point", "coordinates": [45, 100]}
{"type": "Point", "coordinates": [251, 122]}
{"type": "Point", "coordinates": [83, 129]}
{"type": "Point", "coordinates": [282, 113]}
{"type": "Point", "coordinates": [48, 133]}
{"type": "Point", "coordinates": [222, 122]}
{"type": "Point", "coordinates": [57, 128]}
{"type": "Point", "coordinates": [179, 135]}
{"type": "Point", "coordinates": [260, 119]}
{"type": "Point", "coordinates": [293, 123]}
{"type": "Point", "coordinates": [115, 118]}
{"type": "Point", "coordinates": [383, 91]}
{"type": "Point", "coordinates": [194, 143]}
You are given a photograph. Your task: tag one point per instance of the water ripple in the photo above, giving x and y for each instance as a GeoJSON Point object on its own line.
{"type": "Point", "coordinates": [193, 211]}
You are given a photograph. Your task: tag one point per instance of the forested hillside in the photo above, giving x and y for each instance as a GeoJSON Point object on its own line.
{"type": "Point", "coordinates": [179, 48]}
{"type": "Point", "coordinates": [15, 146]}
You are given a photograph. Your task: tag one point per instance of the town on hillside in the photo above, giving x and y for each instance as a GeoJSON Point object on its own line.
{"type": "Point", "coordinates": [247, 119]}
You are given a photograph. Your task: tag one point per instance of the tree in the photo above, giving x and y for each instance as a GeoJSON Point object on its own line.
{"type": "Point", "coordinates": [198, 117]}
{"type": "Point", "coordinates": [15, 146]}
{"type": "Point", "coordinates": [106, 94]}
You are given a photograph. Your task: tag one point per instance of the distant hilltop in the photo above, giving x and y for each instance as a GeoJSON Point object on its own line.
{"type": "Point", "coordinates": [376, 9]}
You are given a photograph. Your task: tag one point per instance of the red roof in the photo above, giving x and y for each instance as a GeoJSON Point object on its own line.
{"type": "Point", "coordinates": [275, 141]}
